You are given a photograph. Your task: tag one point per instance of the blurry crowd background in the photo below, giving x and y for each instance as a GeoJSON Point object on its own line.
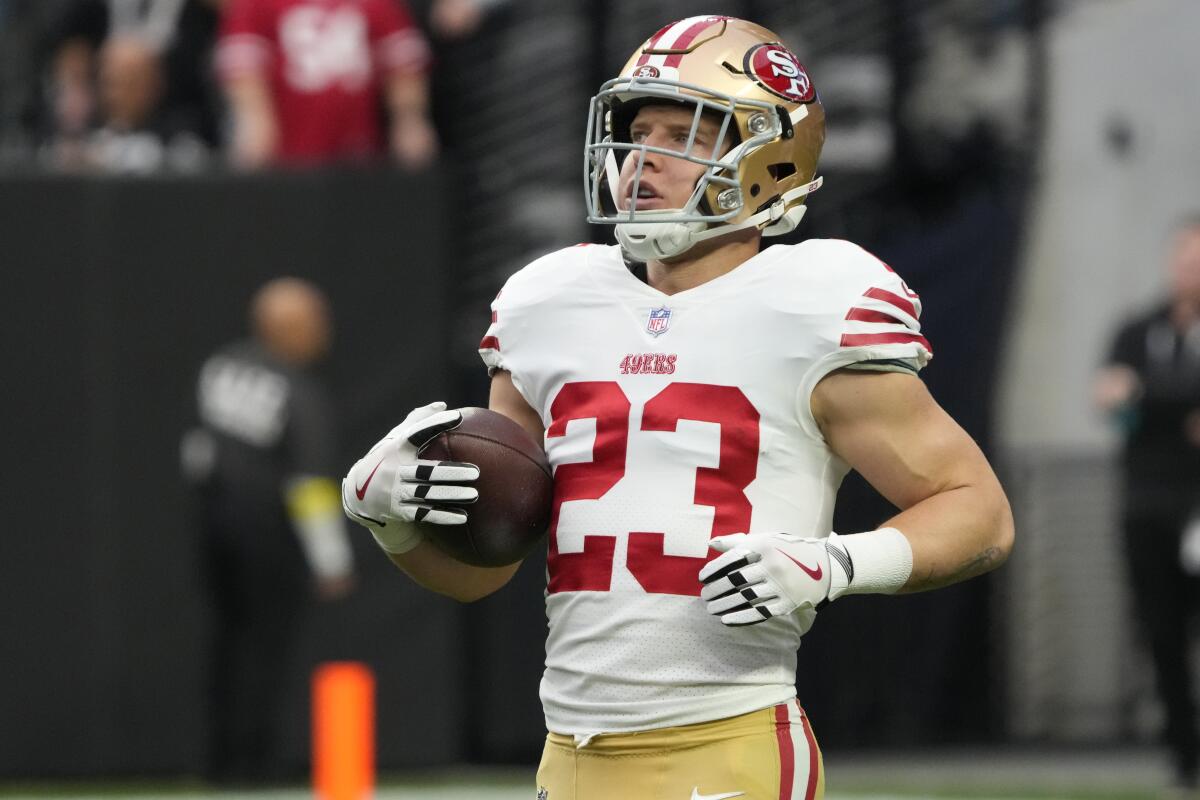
{"type": "Point", "coordinates": [923, 94]}
{"type": "Point", "coordinates": [1019, 161]}
{"type": "Point", "coordinates": [925, 97]}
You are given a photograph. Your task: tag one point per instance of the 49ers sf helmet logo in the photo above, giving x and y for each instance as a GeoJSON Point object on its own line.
{"type": "Point", "coordinates": [777, 70]}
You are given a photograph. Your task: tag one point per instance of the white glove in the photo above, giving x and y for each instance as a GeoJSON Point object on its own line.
{"type": "Point", "coordinates": [389, 489]}
{"type": "Point", "coordinates": [764, 575]}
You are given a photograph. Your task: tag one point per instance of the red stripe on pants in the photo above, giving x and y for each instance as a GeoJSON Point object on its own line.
{"type": "Point", "coordinates": [787, 755]}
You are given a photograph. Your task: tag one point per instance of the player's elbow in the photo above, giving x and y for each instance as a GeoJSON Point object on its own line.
{"type": "Point", "coordinates": [991, 519]}
{"type": "Point", "coordinates": [1003, 530]}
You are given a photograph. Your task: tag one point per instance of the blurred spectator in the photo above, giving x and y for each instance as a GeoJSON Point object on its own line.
{"type": "Point", "coordinates": [262, 460]}
{"type": "Point", "coordinates": [451, 20]}
{"type": "Point", "coordinates": [966, 113]}
{"type": "Point", "coordinates": [1151, 386]}
{"type": "Point", "coordinates": [180, 32]}
{"type": "Point", "coordinates": [135, 135]}
{"type": "Point", "coordinates": [305, 81]}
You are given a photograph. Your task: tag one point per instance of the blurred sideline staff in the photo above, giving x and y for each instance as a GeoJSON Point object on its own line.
{"type": "Point", "coordinates": [304, 82]}
{"type": "Point", "coordinates": [261, 461]}
{"type": "Point", "coordinates": [1151, 387]}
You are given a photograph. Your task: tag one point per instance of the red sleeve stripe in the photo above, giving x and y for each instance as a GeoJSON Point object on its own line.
{"type": "Point", "coordinates": [495, 316]}
{"type": "Point", "coordinates": [490, 343]}
{"type": "Point", "coordinates": [899, 302]}
{"type": "Point", "coordinates": [858, 314]}
{"type": "Point", "coordinates": [861, 339]}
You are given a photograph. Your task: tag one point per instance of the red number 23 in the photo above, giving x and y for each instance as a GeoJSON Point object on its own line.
{"type": "Point", "coordinates": [722, 487]}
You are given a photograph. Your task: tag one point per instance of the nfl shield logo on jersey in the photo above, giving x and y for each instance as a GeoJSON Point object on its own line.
{"type": "Point", "coordinates": [659, 321]}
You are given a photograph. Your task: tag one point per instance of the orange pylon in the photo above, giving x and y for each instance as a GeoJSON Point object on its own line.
{"type": "Point", "coordinates": [343, 731]}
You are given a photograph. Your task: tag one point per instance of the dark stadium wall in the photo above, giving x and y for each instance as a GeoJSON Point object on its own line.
{"type": "Point", "coordinates": [115, 291]}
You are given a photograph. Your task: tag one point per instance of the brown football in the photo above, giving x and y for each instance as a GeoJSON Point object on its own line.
{"type": "Point", "coordinates": [516, 488]}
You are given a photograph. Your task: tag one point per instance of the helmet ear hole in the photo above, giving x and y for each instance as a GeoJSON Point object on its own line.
{"type": "Point", "coordinates": [781, 170]}
{"type": "Point", "coordinates": [754, 190]}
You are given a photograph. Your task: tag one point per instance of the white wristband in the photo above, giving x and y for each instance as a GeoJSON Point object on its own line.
{"type": "Point", "coordinates": [396, 537]}
{"type": "Point", "coordinates": [876, 562]}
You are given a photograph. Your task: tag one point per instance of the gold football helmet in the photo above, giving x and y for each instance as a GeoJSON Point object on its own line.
{"type": "Point", "coordinates": [742, 75]}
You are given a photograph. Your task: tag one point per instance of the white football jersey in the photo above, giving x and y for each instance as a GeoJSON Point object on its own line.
{"type": "Point", "coordinates": [671, 419]}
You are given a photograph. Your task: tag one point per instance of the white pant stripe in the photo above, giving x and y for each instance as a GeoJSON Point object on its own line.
{"type": "Point", "coordinates": [802, 750]}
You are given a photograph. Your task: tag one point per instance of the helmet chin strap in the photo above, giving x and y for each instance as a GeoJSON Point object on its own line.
{"type": "Point", "coordinates": [655, 241]}
{"type": "Point", "coordinates": [658, 240]}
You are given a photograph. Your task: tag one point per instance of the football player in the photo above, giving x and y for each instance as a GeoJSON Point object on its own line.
{"type": "Point", "coordinates": [701, 400]}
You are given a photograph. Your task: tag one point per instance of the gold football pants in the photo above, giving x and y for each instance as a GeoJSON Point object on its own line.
{"type": "Point", "coordinates": [770, 754]}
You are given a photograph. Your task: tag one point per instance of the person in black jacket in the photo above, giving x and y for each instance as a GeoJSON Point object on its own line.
{"type": "Point", "coordinates": [1151, 386]}
{"type": "Point", "coordinates": [261, 460]}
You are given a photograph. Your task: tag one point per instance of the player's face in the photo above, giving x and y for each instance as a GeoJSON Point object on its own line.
{"type": "Point", "coordinates": [666, 182]}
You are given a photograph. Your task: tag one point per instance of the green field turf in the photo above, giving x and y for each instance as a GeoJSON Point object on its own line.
{"type": "Point", "coordinates": [1131, 774]}
{"type": "Point", "coordinates": [468, 791]}
{"type": "Point", "coordinates": [508, 789]}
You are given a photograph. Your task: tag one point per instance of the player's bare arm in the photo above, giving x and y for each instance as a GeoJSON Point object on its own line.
{"type": "Point", "coordinates": [505, 399]}
{"type": "Point", "coordinates": [955, 514]}
{"type": "Point", "coordinates": [955, 522]}
{"type": "Point", "coordinates": [432, 569]}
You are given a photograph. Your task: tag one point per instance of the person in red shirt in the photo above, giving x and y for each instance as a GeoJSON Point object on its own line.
{"type": "Point", "coordinates": [304, 79]}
